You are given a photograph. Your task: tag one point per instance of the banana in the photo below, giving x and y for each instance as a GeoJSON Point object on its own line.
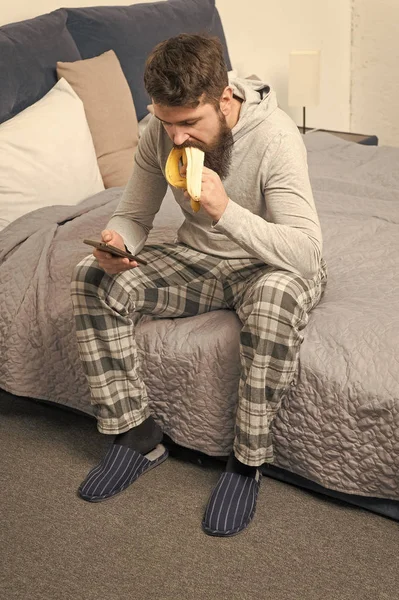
{"type": "Point", "coordinates": [193, 160]}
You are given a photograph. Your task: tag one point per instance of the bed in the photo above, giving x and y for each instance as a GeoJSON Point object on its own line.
{"type": "Point", "coordinates": [338, 429]}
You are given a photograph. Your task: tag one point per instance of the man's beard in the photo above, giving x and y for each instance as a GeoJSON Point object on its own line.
{"type": "Point", "coordinates": [218, 154]}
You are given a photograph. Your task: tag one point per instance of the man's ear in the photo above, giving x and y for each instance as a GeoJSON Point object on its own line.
{"type": "Point", "coordinates": [226, 99]}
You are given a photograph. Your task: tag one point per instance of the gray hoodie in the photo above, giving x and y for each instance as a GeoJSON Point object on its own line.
{"type": "Point", "coordinates": [271, 213]}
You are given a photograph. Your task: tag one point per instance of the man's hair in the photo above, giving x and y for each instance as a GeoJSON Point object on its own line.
{"type": "Point", "coordinates": [183, 69]}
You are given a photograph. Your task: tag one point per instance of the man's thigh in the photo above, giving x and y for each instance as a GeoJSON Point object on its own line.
{"type": "Point", "coordinates": [274, 293]}
{"type": "Point", "coordinates": [176, 282]}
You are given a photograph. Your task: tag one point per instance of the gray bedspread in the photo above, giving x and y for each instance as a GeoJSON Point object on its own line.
{"type": "Point", "coordinates": [338, 427]}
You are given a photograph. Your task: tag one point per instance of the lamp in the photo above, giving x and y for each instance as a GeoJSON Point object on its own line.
{"type": "Point", "coordinates": [304, 80]}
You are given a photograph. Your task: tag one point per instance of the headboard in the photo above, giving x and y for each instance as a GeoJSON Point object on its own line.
{"type": "Point", "coordinates": [30, 49]}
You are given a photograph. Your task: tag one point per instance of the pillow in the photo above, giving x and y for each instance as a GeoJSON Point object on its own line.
{"type": "Point", "coordinates": [101, 85]}
{"type": "Point", "coordinates": [133, 31]}
{"type": "Point", "coordinates": [47, 155]}
{"type": "Point", "coordinates": [28, 53]}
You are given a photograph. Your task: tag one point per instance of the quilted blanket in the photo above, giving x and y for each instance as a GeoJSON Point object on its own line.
{"type": "Point", "coordinates": [339, 426]}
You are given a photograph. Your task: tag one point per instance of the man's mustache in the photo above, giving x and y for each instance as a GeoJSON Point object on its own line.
{"type": "Point", "coordinates": [188, 144]}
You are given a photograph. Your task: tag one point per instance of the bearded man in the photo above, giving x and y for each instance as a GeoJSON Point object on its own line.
{"type": "Point", "coordinates": [254, 247]}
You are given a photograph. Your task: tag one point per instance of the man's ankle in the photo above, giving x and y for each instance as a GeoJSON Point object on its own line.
{"type": "Point", "coordinates": [236, 466]}
{"type": "Point", "coordinates": [143, 438]}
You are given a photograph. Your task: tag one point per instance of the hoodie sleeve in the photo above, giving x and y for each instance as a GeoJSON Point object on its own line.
{"type": "Point", "coordinates": [291, 237]}
{"type": "Point", "coordinates": [143, 195]}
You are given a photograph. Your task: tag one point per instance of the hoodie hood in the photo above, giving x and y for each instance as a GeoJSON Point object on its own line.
{"type": "Point", "coordinates": [258, 102]}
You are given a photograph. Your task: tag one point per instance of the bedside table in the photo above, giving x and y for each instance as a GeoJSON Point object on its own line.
{"type": "Point", "coordinates": [359, 138]}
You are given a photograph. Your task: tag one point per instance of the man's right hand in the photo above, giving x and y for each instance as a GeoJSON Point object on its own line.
{"type": "Point", "coordinates": [113, 264]}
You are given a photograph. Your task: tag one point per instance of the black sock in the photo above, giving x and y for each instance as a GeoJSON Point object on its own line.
{"type": "Point", "coordinates": [236, 466]}
{"type": "Point", "coordinates": [142, 438]}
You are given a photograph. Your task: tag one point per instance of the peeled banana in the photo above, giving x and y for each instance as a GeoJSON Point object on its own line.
{"type": "Point", "coordinates": [193, 160]}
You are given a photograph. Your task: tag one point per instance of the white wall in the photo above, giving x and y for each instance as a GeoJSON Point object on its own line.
{"type": "Point", "coordinates": [375, 69]}
{"type": "Point", "coordinates": [261, 33]}
{"type": "Point", "coordinates": [17, 10]}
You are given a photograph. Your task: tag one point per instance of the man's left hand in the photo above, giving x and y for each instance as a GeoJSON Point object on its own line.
{"type": "Point", "coordinates": [213, 195]}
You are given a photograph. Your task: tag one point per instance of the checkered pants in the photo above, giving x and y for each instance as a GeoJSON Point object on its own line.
{"type": "Point", "coordinates": [272, 304]}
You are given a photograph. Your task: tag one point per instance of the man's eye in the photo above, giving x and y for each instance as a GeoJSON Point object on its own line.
{"type": "Point", "coordinates": [185, 124]}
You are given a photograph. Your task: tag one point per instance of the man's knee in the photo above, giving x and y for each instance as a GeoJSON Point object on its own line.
{"type": "Point", "coordinates": [281, 291]}
{"type": "Point", "coordinates": [87, 275]}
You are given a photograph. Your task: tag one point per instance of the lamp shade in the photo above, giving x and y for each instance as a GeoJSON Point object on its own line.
{"type": "Point", "coordinates": [304, 78]}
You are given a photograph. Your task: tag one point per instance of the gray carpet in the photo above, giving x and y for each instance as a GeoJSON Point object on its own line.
{"type": "Point", "coordinates": [147, 543]}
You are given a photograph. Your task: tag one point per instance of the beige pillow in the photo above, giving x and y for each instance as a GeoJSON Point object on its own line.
{"type": "Point", "coordinates": [101, 85]}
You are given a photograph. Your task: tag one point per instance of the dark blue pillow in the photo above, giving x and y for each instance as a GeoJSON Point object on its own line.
{"type": "Point", "coordinates": [29, 51]}
{"type": "Point", "coordinates": [133, 31]}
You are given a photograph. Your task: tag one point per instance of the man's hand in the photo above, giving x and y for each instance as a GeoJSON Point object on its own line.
{"type": "Point", "coordinates": [213, 195]}
{"type": "Point", "coordinates": [113, 264]}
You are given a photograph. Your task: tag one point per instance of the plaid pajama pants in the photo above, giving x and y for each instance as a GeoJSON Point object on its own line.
{"type": "Point", "coordinates": [272, 304]}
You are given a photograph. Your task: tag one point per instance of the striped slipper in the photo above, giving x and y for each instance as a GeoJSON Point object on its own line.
{"type": "Point", "coordinates": [232, 504]}
{"type": "Point", "coordinates": [120, 468]}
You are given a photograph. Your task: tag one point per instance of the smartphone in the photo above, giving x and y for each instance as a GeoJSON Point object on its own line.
{"type": "Point", "coordinates": [114, 251]}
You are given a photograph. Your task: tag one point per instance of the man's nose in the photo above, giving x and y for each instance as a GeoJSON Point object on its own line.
{"type": "Point", "coordinates": [179, 136]}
